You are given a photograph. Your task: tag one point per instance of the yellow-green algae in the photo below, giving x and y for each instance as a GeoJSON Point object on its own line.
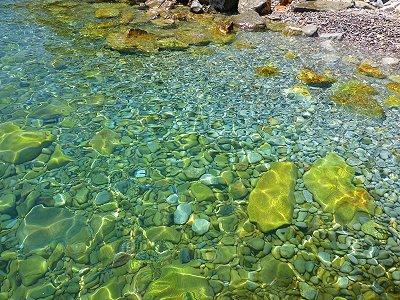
{"type": "Point", "coordinates": [358, 96]}
{"type": "Point", "coordinates": [179, 282]}
{"type": "Point", "coordinates": [271, 202]}
{"type": "Point", "coordinates": [291, 55]}
{"type": "Point", "coordinates": [392, 101]}
{"type": "Point", "coordinates": [394, 87]}
{"type": "Point", "coordinates": [370, 71]}
{"type": "Point", "coordinates": [58, 159]}
{"type": "Point", "coordinates": [330, 181]}
{"type": "Point", "coordinates": [18, 146]}
{"type": "Point", "coordinates": [310, 77]}
{"type": "Point", "coordinates": [269, 70]}
{"type": "Point", "coordinates": [105, 141]}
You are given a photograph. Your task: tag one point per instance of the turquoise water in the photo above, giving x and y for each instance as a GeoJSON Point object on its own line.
{"type": "Point", "coordinates": [129, 176]}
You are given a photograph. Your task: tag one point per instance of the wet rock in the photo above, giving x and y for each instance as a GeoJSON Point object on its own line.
{"type": "Point", "coordinates": [375, 230]}
{"type": "Point", "coordinates": [58, 159]}
{"type": "Point", "coordinates": [7, 203]}
{"type": "Point", "coordinates": [249, 20]}
{"type": "Point", "coordinates": [312, 78]}
{"type": "Point", "coordinates": [269, 70]}
{"type": "Point", "coordinates": [275, 272]}
{"type": "Point", "coordinates": [307, 291]}
{"type": "Point", "coordinates": [201, 192]}
{"type": "Point", "coordinates": [271, 202]}
{"type": "Point", "coordinates": [322, 5]}
{"type": "Point", "coordinates": [228, 6]}
{"type": "Point", "coordinates": [237, 190]}
{"type": "Point", "coordinates": [369, 70]}
{"type": "Point", "coordinates": [178, 282]}
{"type": "Point", "coordinates": [262, 7]}
{"type": "Point", "coordinates": [196, 7]}
{"type": "Point", "coordinates": [182, 213]}
{"type": "Point", "coordinates": [18, 146]}
{"type": "Point", "coordinates": [31, 269]}
{"type": "Point", "coordinates": [163, 233]}
{"type": "Point", "coordinates": [330, 181]}
{"type": "Point", "coordinates": [200, 226]}
{"type": "Point", "coordinates": [107, 12]}
{"type": "Point", "coordinates": [104, 141]}
{"type": "Point", "coordinates": [132, 40]}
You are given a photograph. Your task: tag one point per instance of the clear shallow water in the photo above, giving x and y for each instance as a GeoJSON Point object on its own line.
{"type": "Point", "coordinates": [103, 227]}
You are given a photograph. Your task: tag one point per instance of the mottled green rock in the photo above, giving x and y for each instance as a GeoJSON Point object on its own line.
{"type": "Point", "coordinates": [330, 181]}
{"type": "Point", "coordinates": [105, 141]}
{"type": "Point", "coordinates": [31, 269]}
{"type": "Point", "coordinates": [18, 146]}
{"type": "Point", "coordinates": [41, 291]}
{"type": "Point", "coordinates": [237, 190]}
{"type": "Point", "coordinates": [375, 230]}
{"type": "Point", "coordinates": [272, 201]}
{"type": "Point", "coordinates": [163, 233]}
{"type": "Point", "coordinates": [7, 203]}
{"type": "Point", "coordinates": [171, 44]}
{"type": "Point", "coordinates": [275, 272]}
{"type": "Point", "coordinates": [201, 192]}
{"type": "Point", "coordinates": [58, 159]}
{"type": "Point", "coordinates": [178, 282]}
{"type": "Point", "coordinates": [45, 225]}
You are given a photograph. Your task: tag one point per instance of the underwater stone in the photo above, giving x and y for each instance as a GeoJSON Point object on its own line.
{"type": "Point", "coordinates": [132, 40]}
{"type": "Point", "coordinates": [163, 233]}
{"type": "Point", "coordinates": [394, 87]}
{"type": "Point", "coordinates": [18, 146]}
{"type": "Point", "coordinates": [41, 291]}
{"type": "Point", "coordinates": [107, 12]}
{"type": "Point", "coordinates": [330, 181]}
{"type": "Point", "coordinates": [275, 272]}
{"type": "Point", "coordinates": [375, 230]}
{"type": "Point", "coordinates": [310, 77]}
{"type": "Point", "coordinates": [359, 97]}
{"type": "Point", "coordinates": [200, 226]}
{"type": "Point", "coordinates": [267, 71]}
{"type": "Point", "coordinates": [104, 141]}
{"type": "Point", "coordinates": [307, 291]}
{"type": "Point", "coordinates": [182, 213]}
{"type": "Point", "coordinates": [58, 159]}
{"type": "Point", "coordinates": [272, 201]}
{"type": "Point", "coordinates": [237, 190]}
{"type": "Point", "coordinates": [201, 192]}
{"type": "Point", "coordinates": [368, 70]}
{"type": "Point", "coordinates": [45, 225]}
{"type": "Point", "coordinates": [7, 203]}
{"type": "Point", "coordinates": [31, 269]}
{"type": "Point", "coordinates": [179, 282]}
{"type": "Point", "coordinates": [392, 101]}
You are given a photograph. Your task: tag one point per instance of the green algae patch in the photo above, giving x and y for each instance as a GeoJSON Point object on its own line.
{"type": "Point", "coordinates": [269, 70]}
{"type": "Point", "coordinates": [107, 12]}
{"type": "Point", "coordinates": [330, 181]}
{"type": "Point", "coordinates": [105, 141]}
{"type": "Point", "coordinates": [370, 71]}
{"type": "Point", "coordinates": [291, 55]}
{"type": "Point", "coordinates": [394, 87]}
{"type": "Point", "coordinates": [310, 77]}
{"type": "Point", "coordinates": [271, 203]}
{"type": "Point", "coordinates": [58, 159]}
{"type": "Point", "coordinates": [172, 44]}
{"type": "Point", "coordinates": [358, 96]}
{"type": "Point", "coordinates": [392, 101]}
{"type": "Point", "coordinates": [178, 282]}
{"type": "Point", "coordinates": [18, 146]}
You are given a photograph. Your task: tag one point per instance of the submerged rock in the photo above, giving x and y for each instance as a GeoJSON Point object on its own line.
{"type": "Point", "coordinates": [18, 146]}
{"type": "Point", "coordinates": [272, 201]}
{"type": "Point", "coordinates": [179, 282]}
{"type": "Point", "coordinates": [58, 159]}
{"type": "Point", "coordinates": [133, 40]}
{"type": "Point", "coordinates": [371, 71]}
{"type": "Point", "coordinates": [312, 78]}
{"type": "Point", "coordinates": [269, 70]}
{"type": "Point", "coordinates": [275, 272]}
{"type": "Point", "coordinates": [104, 141]}
{"type": "Point", "coordinates": [31, 269]}
{"type": "Point", "coordinates": [394, 87]}
{"type": "Point", "coordinates": [330, 181]}
{"type": "Point", "coordinates": [359, 97]}
{"type": "Point", "coordinates": [392, 101]}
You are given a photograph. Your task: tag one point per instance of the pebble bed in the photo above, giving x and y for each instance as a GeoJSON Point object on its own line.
{"type": "Point", "coordinates": [117, 222]}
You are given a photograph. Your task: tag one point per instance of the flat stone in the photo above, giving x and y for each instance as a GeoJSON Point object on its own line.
{"type": "Point", "coordinates": [262, 7]}
{"type": "Point", "coordinates": [332, 36]}
{"type": "Point", "coordinates": [322, 5]}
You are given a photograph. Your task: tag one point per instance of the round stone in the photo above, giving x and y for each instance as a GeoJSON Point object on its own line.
{"type": "Point", "coordinates": [182, 213]}
{"type": "Point", "coordinates": [200, 226]}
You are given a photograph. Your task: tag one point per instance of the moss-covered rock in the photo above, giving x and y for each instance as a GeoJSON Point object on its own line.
{"type": "Point", "coordinates": [107, 12]}
{"type": "Point", "coordinates": [371, 71]}
{"type": "Point", "coordinates": [392, 101]}
{"type": "Point", "coordinates": [201, 192]}
{"type": "Point", "coordinates": [133, 39]}
{"type": "Point", "coordinates": [7, 203]}
{"type": "Point", "coordinates": [163, 233]}
{"type": "Point", "coordinates": [105, 141]}
{"type": "Point", "coordinates": [269, 70]}
{"type": "Point", "coordinates": [179, 282]}
{"type": "Point", "coordinates": [275, 272]}
{"type": "Point", "coordinates": [310, 77]}
{"type": "Point", "coordinates": [58, 159]}
{"type": "Point", "coordinates": [31, 269]}
{"type": "Point", "coordinates": [330, 181]}
{"type": "Point", "coordinates": [394, 87]}
{"type": "Point", "coordinates": [18, 146]}
{"type": "Point", "coordinates": [359, 97]}
{"type": "Point", "coordinates": [172, 44]}
{"type": "Point", "coordinates": [271, 202]}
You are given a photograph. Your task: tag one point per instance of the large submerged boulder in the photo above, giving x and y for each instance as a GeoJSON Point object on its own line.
{"type": "Point", "coordinates": [330, 181]}
{"type": "Point", "coordinates": [271, 203]}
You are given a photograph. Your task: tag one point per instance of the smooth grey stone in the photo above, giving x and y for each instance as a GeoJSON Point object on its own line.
{"type": "Point", "coordinates": [200, 226]}
{"type": "Point", "coordinates": [182, 213]}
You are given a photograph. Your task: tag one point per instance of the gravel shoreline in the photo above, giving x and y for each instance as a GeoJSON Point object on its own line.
{"type": "Point", "coordinates": [374, 31]}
